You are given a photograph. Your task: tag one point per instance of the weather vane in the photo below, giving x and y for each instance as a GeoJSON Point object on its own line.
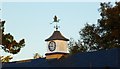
{"type": "Point", "coordinates": [56, 20]}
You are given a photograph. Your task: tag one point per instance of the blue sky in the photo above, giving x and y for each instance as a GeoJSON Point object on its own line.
{"type": "Point", "coordinates": [58, 0]}
{"type": "Point", "coordinates": [31, 21]}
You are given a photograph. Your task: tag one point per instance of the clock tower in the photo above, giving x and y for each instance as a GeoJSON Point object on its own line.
{"type": "Point", "coordinates": [56, 44]}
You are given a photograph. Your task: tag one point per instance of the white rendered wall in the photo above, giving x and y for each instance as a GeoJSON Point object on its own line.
{"type": "Point", "coordinates": [61, 46]}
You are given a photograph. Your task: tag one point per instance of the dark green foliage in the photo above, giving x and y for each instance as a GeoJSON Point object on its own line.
{"type": "Point", "coordinates": [89, 37]}
{"type": "Point", "coordinates": [109, 25]}
{"type": "Point", "coordinates": [75, 47]}
{"type": "Point", "coordinates": [104, 35]}
{"type": "Point", "coordinates": [9, 44]}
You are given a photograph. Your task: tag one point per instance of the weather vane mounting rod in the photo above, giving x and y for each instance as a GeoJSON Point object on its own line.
{"type": "Point", "coordinates": [56, 20]}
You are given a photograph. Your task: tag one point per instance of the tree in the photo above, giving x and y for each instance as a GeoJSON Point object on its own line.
{"type": "Point", "coordinates": [8, 43]}
{"type": "Point", "coordinates": [109, 25]}
{"type": "Point", "coordinates": [37, 55]}
{"type": "Point", "coordinates": [105, 34]}
{"type": "Point", "coordinates": [6, 59]}
{"type": "Point", "coordinates": [76, 47]}
{"type": "Point", "coordinates": [90, 37]}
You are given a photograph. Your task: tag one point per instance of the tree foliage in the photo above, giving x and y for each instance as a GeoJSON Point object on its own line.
{"type": "Point", "coordinates": [6, 58]}
{"type": "Point", "coordinates": [89, 37]}
{"type": "Point", "coordinates": [9, 44]}
{"type": "Point", "coordinates": [105, 34]}
{"type": "Point", "coordinates": [76, 47]}
{"type": "Point", "coordinates": [109, 25]}
{"type": "Point", "coordinates": [37, 55]}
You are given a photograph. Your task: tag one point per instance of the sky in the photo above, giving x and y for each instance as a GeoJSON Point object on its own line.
{"type": "Point", "coordinates": [59, 0]}
{"type": "Point", "coordinates": [31, 21]}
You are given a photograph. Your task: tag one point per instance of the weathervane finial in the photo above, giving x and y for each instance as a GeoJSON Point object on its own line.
{"type": "Point", "coordinates": [56, 20]}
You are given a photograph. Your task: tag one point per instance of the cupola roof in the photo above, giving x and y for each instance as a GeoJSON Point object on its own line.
{"type": "Point", "coordinates": [57, 36]}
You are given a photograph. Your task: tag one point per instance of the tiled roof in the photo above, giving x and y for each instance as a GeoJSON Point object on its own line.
{"type": "Point", "coordinates": [57, 36]}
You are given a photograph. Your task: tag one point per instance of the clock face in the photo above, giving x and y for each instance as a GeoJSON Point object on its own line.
{"type": "Point", "coordinates": [52, 46]}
